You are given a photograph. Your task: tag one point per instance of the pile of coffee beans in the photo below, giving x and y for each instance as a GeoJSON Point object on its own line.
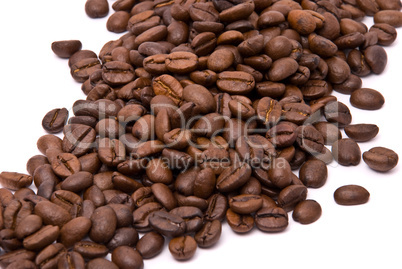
{"type": "Point", "coordinates": [198, 115]}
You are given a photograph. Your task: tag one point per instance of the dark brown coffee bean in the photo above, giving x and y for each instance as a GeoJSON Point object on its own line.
{"type": "Point", "coordinates": [158, 171]}
{"type": "Point", "coordinates": [167, 223]}
{"type": "Point", "coordinates": [17, 255]}
{"type": "Point", "coordinates": [337, 112]}
{"type": "Point", "coordinates": [65, 165]}
{"type": "Point", "coordinates": [239, 223]}
{"type": "Point", "coordinates": [346, 152]}
{"type": "Point", "coordinates": [104, 223]}
{"type": "Point", "coordinates": [9, 242]}
{"type": "Point", "coordinates": [82, 69]}
{"type": "Point", "coordinates": [183, 247]}
{"type": "Point", "coordinates": [34, 162]}
{"type": "Point", "coordinates": [233, 177]}
{"type": "Point", "coordinates": [29, 225]}
{"type": "Point", "coordinates": [101, 263]}
{"type": "Point", "coordinates": [280, 173]}
{"type": "Point", "coordinates": [125, 236]}
{"type": "Point", "coordinates": [361, 132]}
{"type": "Point", "coordinates": [15, 181]}
{"type": "Point", "coordinates": [351, 195]}
{"type": "Point", "coordinates": [67, 200]}
{"type": "Point", "coordinates": [380, 159]}
{"type": "Point", "coordinates": [313, 173]}
{"type": "Point", "coordinates": [307, 212]}
{"type": "Point", "coordinates": [391, 17]}
{"type": "Point", "coordinates": [235, 82]}
{"type": "Point", "coordinates": [366, 98]}
{"type": "Point", "coordinates": [296, 112]}
{"type": "Point", "coordinates": [117, 22]}
{"type": "Point", "coordinates": [181, 62]}
{"type": "Point", "coordinates": [52, 214]}
{"type": "Point", "coordinates": [164, 195]}
{"type": "Point", "coordinates": [126, 257]}
{"type": "Point", "coordinates": [90, 250]}
{"type": "Point", "coordinates": [386, 33]}
{"type": "Point", "coordinates": [245, 203]}
{"type": "Point", "coordinates": [142, 214]}
{"type": "Point", "coordinates": [168, 86]}
{"type": "Point", "coordinates": [302, 21]}
{"type": "Point", "coordinates": [290, 196]}
{"type": "Point", "coordinates": [54, 120]}
{"type": "Point", "coordinates": [111, 151]}
{"type": "Point", "coordinates": [22, 264]}
{"type": "Point", "coordinates": [117, 73]}
{"type": "Point", "coordinates": [42, 238]}
{"type": "Point", "coordinates": [50, 255]}
{"type": "Point", "coordinates": [309, 139]}
{"type": "Point", "coordinates": [330, 132]}
{"type": "Point", "coordinates": [74, 231]}
{"type": "Point", "coordinates": [77, 182]}
{"type": "Point", "coordinates": [217, 206]}
{"type": "Point", "coordinates": [376, 58]}
{"type": "Point", "coordinates": [271, 219]}
{"type": "Point", "coordinates": [201, 97]}
{"type": "Point", "coordinates": [96, 8]}
{"type": "Point", "coordinates": [322, 46]}
{"type": "Point", "coordinates": [150, 245]}
{"type": "Point", "coordinates": [66, 48]}
{"type": "Point", "coordinates": [209, 234]}
{"type": "Point", "coordinates": [282, 68]}
{"type": "Point", "coordinates": [71, 260]}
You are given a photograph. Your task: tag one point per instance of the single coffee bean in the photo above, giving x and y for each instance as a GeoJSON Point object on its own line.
{"type": "Point", "coordinates": [209, 234]}
{"type": "Point", "coordinates": [150, 245]}
{"type": "Point", "coordinates": [67, 200]}
{"type": "Point", "coordinates": [66, 48]}
{"type": "Point", "coordinates": [307, 212]}
{"type": "Point", "coordinates": [309, 139]}
{"type": "Point", "coordinates": [101, 263]}
{"type": "Point", "coordinates": [361, 132]}
{"type": "Point", "coordinates": [181, 62]}
{"type": "Point", "coordinates": [346, 152]}
{"type": "Point", "coordinates": [22, 264]}
{"type": "Point", "coordinates": [167, 223]}
{"type": "Point", "coordinates": [125, 236]}
{"type": "Point", "coordinates": [391, 17]}
{"type": "Point", "coordinates": [126, 257]}
{"type": "Point", "coordinates": [245, 203]}
{"type": "Point", "coordinates": [239, 223]}
{"type": "Point", "coordinates": [380, 159]}
{"type": "Point", "coordinates": [74, 231]}
{"type": "Point", "coordinates": [313, 173]}
{"type": "Point", "coordinates": [117, 22]}
{"type": "Point", "coordinates": [42, 238]}
{"type": "Point", "coordinates": [9, 242]}
{"type": "Point", "coordinates": [271, 219]}
{"type": "Point", "coordinates": [366, 98]}
{"type": "Point", "coordinates": [290, 196]}
{"type": "Point", "coordinates": [65, 164]}
{"type": "Point", "coordinates": [183, 247]}
{"type": "Point", "coordinates": [96, 8]}
{"type": "Point", "coordinates": [52, 214]}
{"type": "Point", "coordinates": [233, 177]}
{"type": "Point", "coordinates": [141, 216]}
{"type": "Point", "coordinates": [235, 82]}
{"type": "Point", "coordinates": [49, 256]}
{"type": "Point", "coordinates": [71, 260]}
{"type": "Point", "coordinates": [77, 182]}
{"type": "Point", "coordinates": [29, 225]}
{"type": "Point", "coordinates": [337, 112]}
{"type": "Point", "coordinates": [217, 206]}
{"type": "Point", "coordinates": [90, 250]}
{"type": "Point", "coordinates": [386, 33]}
{"type": "Point", "coordinates": [351, 195]}
{"type": "Point", "coordinates": [15, 181]}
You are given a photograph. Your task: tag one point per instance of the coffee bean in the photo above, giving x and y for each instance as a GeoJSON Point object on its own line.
{"type": "Point", "coordinates": [90, 250]}
{"type": "Point", "coordinates": [74, 231]}
{"type": "Point", "coordinates": [337, 112]}
{"type": "Point", "coordinates": [96, 8]}
{"type": "Point", "coordinates": [233, 177]}
{"type": "Point", "coordinates": [71, 259]}
{"type": "Point", "coordinates": [22, 264]}
{"type": "Point", "coordinates": [101, 263]}
{"type": "Point", "coordinates": [386, 33]}
{"type": "Point", "coordinates": [217, 206]}
{"type": "Point", "coordinates": [125, 236]}
{"type": "Point", "coordinates": [245, 203]}
{"type": "Point", "coordinates": [313, 173]}
{"type": "Point", "coordinates": [290, 196]}
{"type": "Point", "coordinates": [127, 257]}
{"type": "Point", "coordinates": [366, 98]}
{"type": "Point", "coordinates": [42, 238]}
{"type": "Point", "coordinates": [167, 223]}
{"type": "Point", "coordinates": [66, 48]}
{"type": "Point", "coordinates": [380, 159]}
{"type": "Point", "coordinates": [65, 164]}
{"type": "Point", "coordinates": [391, 17]}
{"type": "Point", "coordinates": [351, 195]}
{"type": "Point", "coordinates": [209, 234]}
{"type": "Point", "coordinates": [29, 225]}
{"type": "Point", "coordinates": [346, 152]}
{"type": "Point", "coordinates": [15, 181]}
{"type": "Point", "coordinates": [150, 245]}
{"type": "Point", "coordinates": [239, 223]}
{"type": "Point", "coordinates": [235, 82]}
{"type": "Point", "coordinates": [49, 256]}
{"type": "Point", "coordinates": [52, 214]}
{"type": "Point", "coordinates": [183, 247]}
{"type": "Point", "coordinates": [307, 212]}
{"type": "Point", "coordinates": [361, 132]}
{"type": "Point", "coordinates": [273, 219]}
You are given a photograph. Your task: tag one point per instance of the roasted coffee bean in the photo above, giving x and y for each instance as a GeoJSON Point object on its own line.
{"type": "Point", "coordinates": [125, 236]}
{"type": "Point", "coordinates": [71, 259]}
{"type": "Point", "coordinates": [239, 223]}
{"type": "Point", "coordinates": [245, 203]}
{"type": "Point", "coordinates": [309, 139]}
{"type": "Point", "coordinates": [15, 181]}
{"type": "Point", "coordinates": [290, 196]}
{"type": "Point", "coordinates": [313, 173]}
{"type": "Point", "coordinates": [127, 257]}
{"type": "Point", "coordinates": [29, 225]}
{"type": "Point", "coordinates": [337, 112]}
{"type": "Point", "coordinates": [54, 120]}
{"type": "Point", "coordinates": [49, 256]}
{"type": "Point", "coordinates": [9, 242]}
{"type": "Point", "coordinates": [183, 247]}
{"type": "Point", "coordinates": [90, 250]}
{"type": "Point", "coordinates": [391, 17]}
{"type": "Point", "coordinates": [96, 8]}
{"type": "Point", "coordinates": [282, 68]}
{"type": "Point", "coordinates": [74, 231]}
{"type": "Point", "coordinates": [82, 69]}
{"type": "Point", "coordinates": [42, 238]}
{"type": "Point", "coordinates": [235, 82]}
{"type": "Point", "coordinates": [17, 255]}
{"type": "Point", "coordinates": [351, 195]}
{"type": "Point", "coordinates": [101, 263]}
{"type": "Point", "coordinates": [271, 219]}
{"type": "Point", "coordinates": [217, 206]}
{"type": "Point", "coordinates": [117, 73]}
{"type": "Point", "coordinates": [65, 165]}
{"type": "Point", "coordinates": [386, 33]}
{"type": "Point", "coordinates": [366, 98]}
{"type": "Point", "coordinates": [361, 132]}
{"type": "Point", "coordinates": [380, 159]}
{"type": "Point", "coordinates": [66, 48]}
{"type": "Point", "coordinates": [330, 132]}
{"type": "Point", "coordinates": [233, 177]}
{"type": "Point", "coordinates": [22, 264]}
{"type": "Point", "coordinates": [167, 223]}
{"type": "Point", "coordinates": [111, 151]}
{"type": "Point", "coordinates": [346, 152]}
{"type": "Point", "coordinates": [164, 195]}
{"type": "Point", "coordinates": [66, 199]}
{"type": "Point", "coordinates": [150, 245]}
{"type": "Point", "coordinates": [141, 216]}
{"type": "Point", "coordinates": [52, 214]}
{"type": "Point", "coordinates": [117, 22]}
{"type": "Point", "coordinates": [307, 212]}
{"type": "Point", "coordinates": [209, 234]}
{"type": "Point", "coordinates": [77, 182]}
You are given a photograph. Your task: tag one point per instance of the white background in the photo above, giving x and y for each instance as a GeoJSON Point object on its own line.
{"type": "Point", "coordinates": [33, 81]}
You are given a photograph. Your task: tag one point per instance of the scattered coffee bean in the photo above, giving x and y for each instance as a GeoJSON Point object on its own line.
{"type": "Point", "coordinates": [307, 212]}
{"type": "Point", "coordinates": [351, 195]}
{"type": "Point", "coordinates": [380, 159]}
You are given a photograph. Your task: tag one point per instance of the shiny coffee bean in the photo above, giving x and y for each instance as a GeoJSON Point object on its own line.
{"type": "Point", "coordinates": [307, 212]}
{"type": "Point", "coordinates": [351, 195]}
{"type": "Point", "coordinates": [380, 159]}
